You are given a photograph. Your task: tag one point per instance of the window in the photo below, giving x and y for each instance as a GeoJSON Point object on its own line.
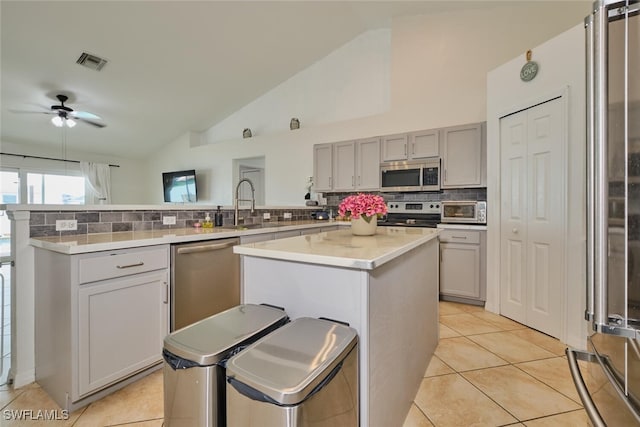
{"type": "Point", "coordinates": [9, 186]}
{"type": "Point", "coordinates": [20, 186]}
{"type": "Point", "coordinates": [55, 189]}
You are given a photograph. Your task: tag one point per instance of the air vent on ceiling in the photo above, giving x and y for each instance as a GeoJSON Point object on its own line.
{"type": "Point", "coordinates": [91, 61]}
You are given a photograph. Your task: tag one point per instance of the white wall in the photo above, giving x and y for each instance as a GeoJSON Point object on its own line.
{"type": "Point", "coordinates": [438, 66]}
{"type": "Point", "coordinates": [129, 181]}
{"type": "Point", "coordinates": [561, 62]}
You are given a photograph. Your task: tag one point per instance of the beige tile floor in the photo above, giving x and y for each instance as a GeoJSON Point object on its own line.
{"type": "Point", "coordinates": [487, 371]}
{"type": "Point", "coordinates": [491, 371]}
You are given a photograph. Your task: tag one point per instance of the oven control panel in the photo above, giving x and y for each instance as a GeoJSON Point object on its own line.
{"type": "Point", "coordinates": [413, 207]}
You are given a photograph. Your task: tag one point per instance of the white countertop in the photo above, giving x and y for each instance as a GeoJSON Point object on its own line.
{"type": "Point", "coordinates": [477, 227]}
{"type": "Point", "coordinates": [83, 243]}
{"type": "Point", "coordinates": [341, 248]}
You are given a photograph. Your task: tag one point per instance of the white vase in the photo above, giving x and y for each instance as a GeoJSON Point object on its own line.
{"type": "Point", "coordinates": [360, 227]}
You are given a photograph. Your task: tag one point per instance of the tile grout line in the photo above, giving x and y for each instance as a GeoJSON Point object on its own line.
{"type": "Point", "coordinates": [548, 385]}
{"type": "Point", "coordinates": [508, 363]}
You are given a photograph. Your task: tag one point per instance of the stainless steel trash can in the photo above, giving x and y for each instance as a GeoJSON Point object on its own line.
{"type": "Point", "coordinates": [303, 374]}
{"type": "Point", "coordinates": [194, 358]}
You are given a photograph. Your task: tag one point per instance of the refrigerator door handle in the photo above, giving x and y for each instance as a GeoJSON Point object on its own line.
{"type": "Point", "coordinates": [600, 182]}
{"type": "Point", "coordinates": [583, 392]}
{"type": "Point", "coordinates": [589, 310]}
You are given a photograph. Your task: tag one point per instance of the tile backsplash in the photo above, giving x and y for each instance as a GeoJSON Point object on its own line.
{"type": "Point", "coordinates": [334, 199]}
{"type": "Point", "coordinates": [43, 223]}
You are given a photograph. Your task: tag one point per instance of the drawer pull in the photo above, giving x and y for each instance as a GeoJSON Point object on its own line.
{"type": "Point", "coordinates": [459, 237]}
{"type": "Point", "coordinates": [137, 264]}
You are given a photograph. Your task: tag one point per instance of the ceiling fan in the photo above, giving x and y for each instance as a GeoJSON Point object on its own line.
{"type": "Point", "coordinates": [67, 116]}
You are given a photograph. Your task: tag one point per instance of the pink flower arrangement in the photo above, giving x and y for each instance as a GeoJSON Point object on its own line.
{"type": "Point", "coordinates": [366, 205]}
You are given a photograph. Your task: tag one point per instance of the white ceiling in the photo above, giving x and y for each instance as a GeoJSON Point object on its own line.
{"type": "Point", "coordinates": [174, 66]}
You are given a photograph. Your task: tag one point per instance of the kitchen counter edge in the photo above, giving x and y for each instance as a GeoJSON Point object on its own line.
{"type": "Point", "coordinates": [86, 243]}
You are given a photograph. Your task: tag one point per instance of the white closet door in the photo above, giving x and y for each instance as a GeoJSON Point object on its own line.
{"type": "Point", "coordinates": [533, 229]}
{"type": "Point", "coordinates": [545, 278]}
{"type": "Point", "coordinates": [513, 227]}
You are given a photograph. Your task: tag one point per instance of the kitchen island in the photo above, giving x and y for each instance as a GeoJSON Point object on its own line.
{"type": "Point", "coordinates": [385, 286]}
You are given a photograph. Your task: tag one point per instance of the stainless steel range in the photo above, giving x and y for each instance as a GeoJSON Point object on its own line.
{"type": "Point", "coordinates": [412, 214]}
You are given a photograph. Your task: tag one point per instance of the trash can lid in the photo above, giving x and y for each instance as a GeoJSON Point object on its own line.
{"type": "Point", "coordinates": [290, 362]}
{"type": "Point", "coordinates": [211, 340]}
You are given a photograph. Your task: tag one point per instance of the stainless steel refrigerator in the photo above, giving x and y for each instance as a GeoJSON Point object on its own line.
{"type": "Point", "coordinates": [608, 377]}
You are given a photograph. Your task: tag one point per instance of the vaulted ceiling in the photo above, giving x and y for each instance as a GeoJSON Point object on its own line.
{"type": "Point", "coordinates": [173, 66]}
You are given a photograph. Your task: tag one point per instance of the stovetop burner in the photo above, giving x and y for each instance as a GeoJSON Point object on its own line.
{"type": "Point", "coordinates": [412, 214]}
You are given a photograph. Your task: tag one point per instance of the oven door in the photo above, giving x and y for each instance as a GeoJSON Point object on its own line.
{"type": "Point", "coordinates": [401, 176]}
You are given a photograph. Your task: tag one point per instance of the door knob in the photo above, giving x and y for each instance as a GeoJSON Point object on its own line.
{"type": "Point", "coordinates": [515, 231]}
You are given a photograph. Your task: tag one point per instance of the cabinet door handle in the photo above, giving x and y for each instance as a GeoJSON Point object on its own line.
{"type": "Point", "coordinates": [405, 149]}
{"type": "Point", "coordinates": [353, 180]}
{"type": "Point", "coordinates": [166, 293]}
{"type": "Point", "coordinates": [137, 264]}
{"type": "Point", "coordinates": [330, 181]}
{"type": "Point", "coordinates": [413, 148]}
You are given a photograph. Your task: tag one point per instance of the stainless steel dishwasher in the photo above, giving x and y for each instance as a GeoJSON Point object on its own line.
{"type": "Point", "coordinates": [205, 280]}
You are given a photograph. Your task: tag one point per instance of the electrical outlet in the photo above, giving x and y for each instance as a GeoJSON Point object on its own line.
{"type": "Point", "coordinates": [169, 220]}
{"type": "Point", "coordinates": [66, 224]}
{"type": "Point", "coordinates": [287, 215]}
{"type": "Point", "coordinates": [266, 215]}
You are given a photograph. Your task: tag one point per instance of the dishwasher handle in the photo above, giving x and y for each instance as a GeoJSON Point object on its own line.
{"type": "Point", "coordinates": [206, 248]}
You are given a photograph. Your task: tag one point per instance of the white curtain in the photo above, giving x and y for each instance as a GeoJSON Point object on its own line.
{"type": "Point", "coordinates": [98, 176]}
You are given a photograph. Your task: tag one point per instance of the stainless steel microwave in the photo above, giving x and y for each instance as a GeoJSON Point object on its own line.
{"type": "Point", "coordinates": [412, 175]}
{"type": "Point", "coordinates": [466, 212]}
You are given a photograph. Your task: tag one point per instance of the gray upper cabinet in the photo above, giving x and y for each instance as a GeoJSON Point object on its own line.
{"type": "Point", "coordinates": [464, 156]}
{"type": "Point", "coordinates": [323, 167]}
{"type": "Point", "coordinates": [424, 144]}
{"type": "Point", "coordinates": [411, 146]}
{"type": "Point", "coordinates": [368, 164]}
{"type": "Point", "coordinates": [355, 165]}
{"type": "Point", "coordinates": [344, 166]}
{"type": "Point", "coordinates": [394, 147]}
{"type": "Point", "coordinates": [347, 165]}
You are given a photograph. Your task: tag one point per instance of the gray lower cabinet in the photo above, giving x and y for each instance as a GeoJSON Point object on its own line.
{"type": "Point", "coordinates": [463, 265]}
{"type": "Point", "coordinates": [100, 320]}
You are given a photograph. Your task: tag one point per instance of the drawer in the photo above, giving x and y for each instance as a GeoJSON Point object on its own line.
{"type": "Point", "coordinates": [460, 236]}
{"type": "Point", "coordinates": [107, 265]}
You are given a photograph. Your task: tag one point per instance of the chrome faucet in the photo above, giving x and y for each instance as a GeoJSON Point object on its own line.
{"type": "Point", "coordinates": [236, 200]}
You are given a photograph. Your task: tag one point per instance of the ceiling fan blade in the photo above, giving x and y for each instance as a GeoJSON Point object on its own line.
{"type": "Point", "coordinates": [85, 115]}
{"type": "Point", "coordinates": [91, 122]}
{"type": "Point", "coordinates": [32, 112]}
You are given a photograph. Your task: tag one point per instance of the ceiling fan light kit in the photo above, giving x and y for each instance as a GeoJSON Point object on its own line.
{"type": "Point", "coordinates": [59, 121]}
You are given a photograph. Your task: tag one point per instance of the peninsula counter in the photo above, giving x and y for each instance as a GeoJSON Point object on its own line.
{"type": "Point", "coordinates": [385, 286]}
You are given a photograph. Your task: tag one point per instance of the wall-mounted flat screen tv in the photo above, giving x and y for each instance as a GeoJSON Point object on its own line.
{"type": "Point", "coordinates": [179, 186]}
